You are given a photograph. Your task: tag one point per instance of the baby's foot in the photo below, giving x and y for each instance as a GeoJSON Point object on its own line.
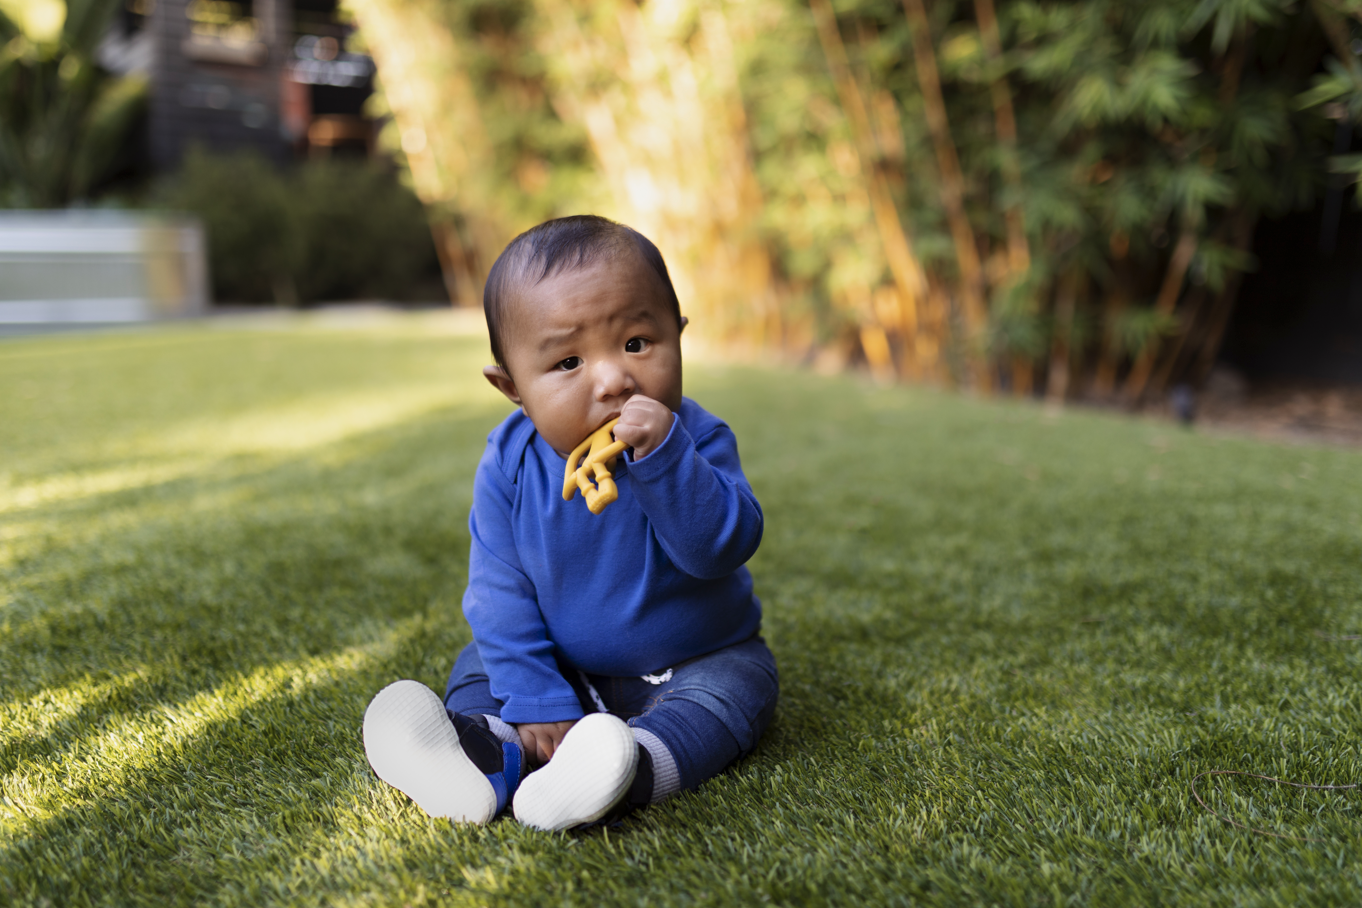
{"type": "Point", "coordinates": [589, 774]}
{"type": "Point", "coordinates": [449, 765]}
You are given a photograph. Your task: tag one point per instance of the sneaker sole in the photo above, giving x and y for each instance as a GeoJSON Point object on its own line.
{"type": "Point", "coordinates": [412, 745]}
{"type": "Point", "coordinates": [588, 775]}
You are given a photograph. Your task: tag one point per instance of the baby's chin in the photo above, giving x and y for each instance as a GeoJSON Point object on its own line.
{"type": "Point", "coordinates": [564, 441]}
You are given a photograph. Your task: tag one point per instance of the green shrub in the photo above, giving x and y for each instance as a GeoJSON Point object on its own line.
{"type": "Point", "coordinates": [243, 202]}
{"type": "Point", "coordinates": [364, 235]}
{"type": "Point", "coordinates": [319, 231]}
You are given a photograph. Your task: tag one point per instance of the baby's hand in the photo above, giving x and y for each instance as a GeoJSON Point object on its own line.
{"type": "Point", "coordinates": [644, 424]}
{"type": "Point", "coordinates": [540, 739]}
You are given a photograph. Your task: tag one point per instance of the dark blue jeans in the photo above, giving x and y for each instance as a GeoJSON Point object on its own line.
{"type": "Point", "coordinates": [710, 712]}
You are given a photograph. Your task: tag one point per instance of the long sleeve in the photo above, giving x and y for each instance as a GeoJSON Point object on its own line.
{"type": "Point", "coordinates": [503, 610]}
{"type": "Point", "coordinates": [698, 501]}
{"type": "Point", "coordinates": [654, 580]}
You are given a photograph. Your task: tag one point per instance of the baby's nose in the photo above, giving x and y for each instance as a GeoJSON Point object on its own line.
{"type": "Point", "coordinates": [613, 380]}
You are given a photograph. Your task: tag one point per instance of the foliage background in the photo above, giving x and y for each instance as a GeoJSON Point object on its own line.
{"type": "Point", "coordinates": [1056, 196]}
{"type": "Point", "coordinates": [65, 124]}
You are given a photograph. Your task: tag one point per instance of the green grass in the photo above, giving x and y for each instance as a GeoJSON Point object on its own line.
{"type": "Point", "coordinates": [1007, 640]}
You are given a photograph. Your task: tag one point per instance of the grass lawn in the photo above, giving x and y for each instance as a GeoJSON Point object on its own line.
{"type": "Point", "coordinates": [1007, 640]}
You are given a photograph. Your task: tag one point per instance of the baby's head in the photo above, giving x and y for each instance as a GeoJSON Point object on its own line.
{"type": "Point", "coordinates": [582, 316]}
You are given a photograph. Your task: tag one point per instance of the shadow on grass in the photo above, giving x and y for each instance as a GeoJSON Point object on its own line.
{"type": "Point", "coordinates": [219, 793]}
{"type": "Point", "coordinates": [182, 585]}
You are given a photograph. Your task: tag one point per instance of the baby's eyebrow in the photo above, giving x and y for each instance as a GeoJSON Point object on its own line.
{"type": "Point", "coordinates": [558, 338]}
{"type": "Point", "coordinates": [639, 315]}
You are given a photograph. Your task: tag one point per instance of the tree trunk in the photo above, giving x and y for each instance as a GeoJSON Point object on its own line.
{"type": "Point", "coordinates": [439, 117]}
{"type": "Point", "coordinates": [459, 281]}
{"type": "Point", "coordinates": [952, 193]}
{"type": "Point", "coordinates": [907, 271]}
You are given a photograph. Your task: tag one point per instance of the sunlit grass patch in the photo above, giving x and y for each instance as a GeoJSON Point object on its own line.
{"type": "Point", "coordinates": [1008, 641]}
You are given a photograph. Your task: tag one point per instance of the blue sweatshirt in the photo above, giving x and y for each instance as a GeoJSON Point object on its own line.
{"type": "Point", "coordinates": [655, 579]}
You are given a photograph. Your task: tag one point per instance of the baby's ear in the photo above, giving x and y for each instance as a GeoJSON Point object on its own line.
{"type": "Point", "coordinates": [500, 379]}
{"type": "Point", "coordinates": [684, 322]}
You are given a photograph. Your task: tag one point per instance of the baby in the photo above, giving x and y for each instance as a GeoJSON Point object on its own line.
{"type": "Point", "coordinates": [618, 652]}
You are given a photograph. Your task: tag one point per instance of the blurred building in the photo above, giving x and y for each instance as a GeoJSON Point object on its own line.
{"type": "Point", "coordinates": [271, 75]}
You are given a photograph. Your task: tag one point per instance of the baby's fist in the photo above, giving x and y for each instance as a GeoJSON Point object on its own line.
{"type": "Point", "coordinates": [644, 424]}
{"type": "Point", "coordinates": [539, 740]}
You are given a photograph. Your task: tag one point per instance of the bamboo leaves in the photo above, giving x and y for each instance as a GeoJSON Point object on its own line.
{"type": "Point", "coordinates": [993, 191]}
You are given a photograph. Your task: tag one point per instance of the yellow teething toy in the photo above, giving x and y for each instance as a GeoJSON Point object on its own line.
{"type": "Point", "coordinates": [597, 455]}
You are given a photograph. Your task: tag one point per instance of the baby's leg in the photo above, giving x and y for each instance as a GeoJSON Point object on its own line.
{"type": "Point", "coordinates": [469, 693]}
{"type": "Point", "coordinates": [711, 711]}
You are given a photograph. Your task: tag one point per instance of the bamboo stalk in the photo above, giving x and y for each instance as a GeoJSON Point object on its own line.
{"type": "Point", "coordinates": [1023, 376]}
{"type": "Point", "coordinates": [1163, 305]}
{"type": "Point", "coordinates": [1137, 382]}
{"type": "Point", "coordinates": [952, 192]}
{"type": "Point", "coordinates": [402, 37]}
{"type": "Point", "coordinates": [875, 343]}
{"type": "Point", "coordinates": [1336, 30]}
{"type": "Point", "coordinates": [907, 271]}
{"type": "Point", "coordinates": [1230, 77]}
{"type": "Point", "coordinates": [1108, 359]}
{"type": "Point", "coordinates": [665, 120]}
{"type": "Point", "coordinates": [455, 269]}
{"type": "Point", "coordinates": [1196, 299]}
{"type": "Point", "coordinates": [1224, 305]}
{"type": "Point", "coordinates": [1066, 297]}
{"type": "Point", "coordinates": [1005, 120]}
{"type": "Point", "coordinates": [1109, 354]}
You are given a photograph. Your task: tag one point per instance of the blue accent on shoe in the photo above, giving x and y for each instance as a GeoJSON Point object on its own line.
{"type": "Point", "coordinates": [505, 783]}
{"type": "Point", "coordinates": [512, 763]}
{"type": "Point", "coordinates": [498, 781]}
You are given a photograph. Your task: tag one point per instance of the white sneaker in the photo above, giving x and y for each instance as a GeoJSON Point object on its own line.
{"type": "Point", "coordinates": [412, 745]}
{"type": "Point", "coordinates": [589, 774]}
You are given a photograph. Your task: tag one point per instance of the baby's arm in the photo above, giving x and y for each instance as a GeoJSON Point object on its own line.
{"type": "Point", "coordinates": [502, 609]}
{"type": "Point", "coordinates": [698, 501]}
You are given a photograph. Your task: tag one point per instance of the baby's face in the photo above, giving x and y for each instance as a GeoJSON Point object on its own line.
{"type": "Point", "coordinates": [581, 343]}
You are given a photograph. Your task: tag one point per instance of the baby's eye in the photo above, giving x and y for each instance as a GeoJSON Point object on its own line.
{"type": "Point", "coordinates": [567, 365]}
{"type": "Point", "coordinates": [635, 345]}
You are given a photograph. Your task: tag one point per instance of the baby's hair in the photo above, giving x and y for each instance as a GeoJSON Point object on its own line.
{"type": "Point", "coordinates": [559, 245]}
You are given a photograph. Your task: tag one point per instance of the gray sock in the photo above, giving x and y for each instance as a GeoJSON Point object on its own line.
{"type": "Point", "coordinates": [506, 734]}
{"type": "Point", "coordinates": [666, 778]}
